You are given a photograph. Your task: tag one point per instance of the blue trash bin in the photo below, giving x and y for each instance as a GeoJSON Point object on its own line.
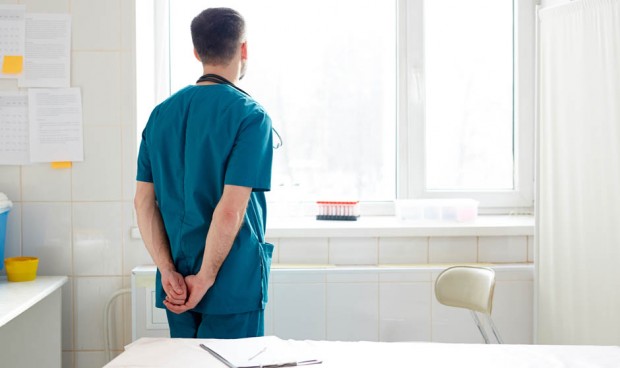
{"type": "Point", "coordinates": [3, 218]}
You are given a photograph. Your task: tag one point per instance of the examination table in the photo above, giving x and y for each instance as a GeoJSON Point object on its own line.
{"type": "Point", "coordinates": [164, 352]}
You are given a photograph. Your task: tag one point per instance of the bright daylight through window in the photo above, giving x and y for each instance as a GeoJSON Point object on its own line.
{"type": "Point", "coordinates": [326, 73]}
{"type": "Point", "coordinates": [468, 66]}
{"type": "Point", "coordinates": [376, 100]}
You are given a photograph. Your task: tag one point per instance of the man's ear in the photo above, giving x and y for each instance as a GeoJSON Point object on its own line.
{"type": "Point", "coordinates": [244, 50]}
{"type": "Point", "coordinates": [197, 56]}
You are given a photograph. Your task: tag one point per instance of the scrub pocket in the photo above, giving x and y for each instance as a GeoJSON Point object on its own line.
{"type": "Point", "coordinates": [266, 252]}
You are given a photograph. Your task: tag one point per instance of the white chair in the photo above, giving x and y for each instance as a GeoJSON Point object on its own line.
{"type": "Point", "coordinates": [470, 288]}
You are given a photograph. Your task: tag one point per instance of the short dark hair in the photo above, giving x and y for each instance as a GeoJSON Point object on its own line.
{"type": "Point", "coordinates": [217, 33]}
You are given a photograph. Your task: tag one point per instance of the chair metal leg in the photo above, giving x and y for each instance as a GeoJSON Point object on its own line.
{"type": "Point", "coordinates": [494, 329]}
{"type": "Point", "coordinates": [480, 328]}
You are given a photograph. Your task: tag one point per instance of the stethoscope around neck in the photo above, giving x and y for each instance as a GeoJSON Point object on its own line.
{"type": "Point", "coordinates": [218, 79]}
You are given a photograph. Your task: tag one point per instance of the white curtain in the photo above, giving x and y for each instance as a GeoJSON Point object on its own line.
{"type": "Point", "coordinates": [578, 199]}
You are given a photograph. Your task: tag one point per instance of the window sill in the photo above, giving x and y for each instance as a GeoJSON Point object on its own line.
{"type": "Point", "coordinates": [390, 226]}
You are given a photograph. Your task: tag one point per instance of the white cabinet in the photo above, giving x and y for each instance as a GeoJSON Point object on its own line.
{"type": "Point", "coordinates": [30, 322]}
{"type": "Point", "coordinates": [146, 319]}
{"type": "Point", "coordinates": [352, 311]}
{"type": "Point", "coordinates": [404, 311]}
{"type": "Point", "coordinates": [299, 312]}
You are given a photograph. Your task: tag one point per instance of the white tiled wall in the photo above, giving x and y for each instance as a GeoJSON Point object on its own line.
{"type": "Point", "coordinates": [77, 220]}
{"type": "Point", "coordinates": [57, 186]}
{"type": "Point", "coordinates": [98, 177]}
{"type": "Point", "coordinates": [403, 250]}
{"type": "Point", "coordinates": [356, 251]}
{"type": "Point", "coordinates": [502, 249]}
{"type": "Point", "coordinates": [97, 239]}
{"type": "Point", "coordinates": [304, 250]}
{"type": "Point", "coordinates": [372, 303]}
{"type": "Point", "coordinates": [10, 181]}
{"type": "Point", "coordinates": [452, 249]}
{"type": "Point", "coordinates": [47, 235]}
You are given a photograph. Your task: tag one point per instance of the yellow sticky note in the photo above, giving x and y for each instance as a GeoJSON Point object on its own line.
{"type": "Point", "coordinates": [61, 165]}
{"type": "Point", "coordinates": [12, 64]}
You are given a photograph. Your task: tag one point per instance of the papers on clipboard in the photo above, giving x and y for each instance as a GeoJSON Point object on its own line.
{"type": "Point", "coordinates": [261, 352]}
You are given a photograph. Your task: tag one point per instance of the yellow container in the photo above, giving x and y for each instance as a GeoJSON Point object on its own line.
{"type": "Point", "coordinates": [21, 268]}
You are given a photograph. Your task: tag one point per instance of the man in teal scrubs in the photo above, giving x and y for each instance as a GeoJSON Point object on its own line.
{"type": "Point", "coordinates": [203, 167]}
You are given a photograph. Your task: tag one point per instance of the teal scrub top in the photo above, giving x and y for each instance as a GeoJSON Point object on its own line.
{"type": "Point", "coordinates": [198, 140]}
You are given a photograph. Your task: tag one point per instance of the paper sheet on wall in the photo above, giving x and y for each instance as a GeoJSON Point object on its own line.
{"type": "Point", "coordinates": [14, 136]}
{"type": "Point", "coordinates": [55, 117]}
{"type": "Point", "coordinates": [47, 51]}
{"type": "Point", "coordinates": [12, 34]}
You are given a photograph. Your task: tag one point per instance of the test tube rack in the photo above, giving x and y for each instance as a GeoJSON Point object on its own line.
{"type": "Point", "coordinates": [338, 211]}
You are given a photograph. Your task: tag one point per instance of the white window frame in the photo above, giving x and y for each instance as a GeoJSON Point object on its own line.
{"type": "Point", "coordinates": [153, 66]}
{"type": "Point", "coordinates": [411, 139]}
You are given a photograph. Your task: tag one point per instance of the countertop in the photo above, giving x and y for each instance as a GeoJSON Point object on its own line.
{"type": "Point", "coordinates": [18, 297]}
{"type": "Point", "coordinates": [390, 226]}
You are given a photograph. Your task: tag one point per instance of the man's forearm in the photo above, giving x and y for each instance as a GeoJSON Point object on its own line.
{"type": "Point", "coordinates": [156, 241]}
{"type": "Point", "coordinates": [153, 233]}
{"type": "Point", "coordinates": [227, 219]}
{"type": "Point", "coordinates": [222, 233]}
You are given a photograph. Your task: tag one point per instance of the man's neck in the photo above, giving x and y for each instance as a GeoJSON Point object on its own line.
{"type": "Point", "coordinates": [230, 72]}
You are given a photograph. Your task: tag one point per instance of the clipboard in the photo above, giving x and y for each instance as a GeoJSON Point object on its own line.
{"type": "Point", "coordinates": [266, 352]}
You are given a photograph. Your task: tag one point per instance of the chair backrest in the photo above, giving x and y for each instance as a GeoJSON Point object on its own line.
{"type": "Point", "coordinates": [466, 287]}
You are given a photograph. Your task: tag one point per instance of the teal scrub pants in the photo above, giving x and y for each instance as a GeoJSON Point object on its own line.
{"type": "Point", "coordinates": [216, 326]}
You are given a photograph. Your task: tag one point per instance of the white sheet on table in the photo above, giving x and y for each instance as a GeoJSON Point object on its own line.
{"type": "Point", "coordinates": [162, 352]}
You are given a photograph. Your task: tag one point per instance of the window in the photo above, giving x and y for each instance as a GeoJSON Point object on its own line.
{"type": "Point", "coordinates": [329, 87]}
{"type": "Point", "coordinates": [468, 66]}
{"type": "Point", "coordinates": [469, 116]}
{"type": "Point", "coordinates": [376, 100]}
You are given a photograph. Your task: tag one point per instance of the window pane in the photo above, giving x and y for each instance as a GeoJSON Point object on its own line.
{"type": "Point", "coordinates": [326, 73]}
{"type": "Point", "coordinates": [468, 49]}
